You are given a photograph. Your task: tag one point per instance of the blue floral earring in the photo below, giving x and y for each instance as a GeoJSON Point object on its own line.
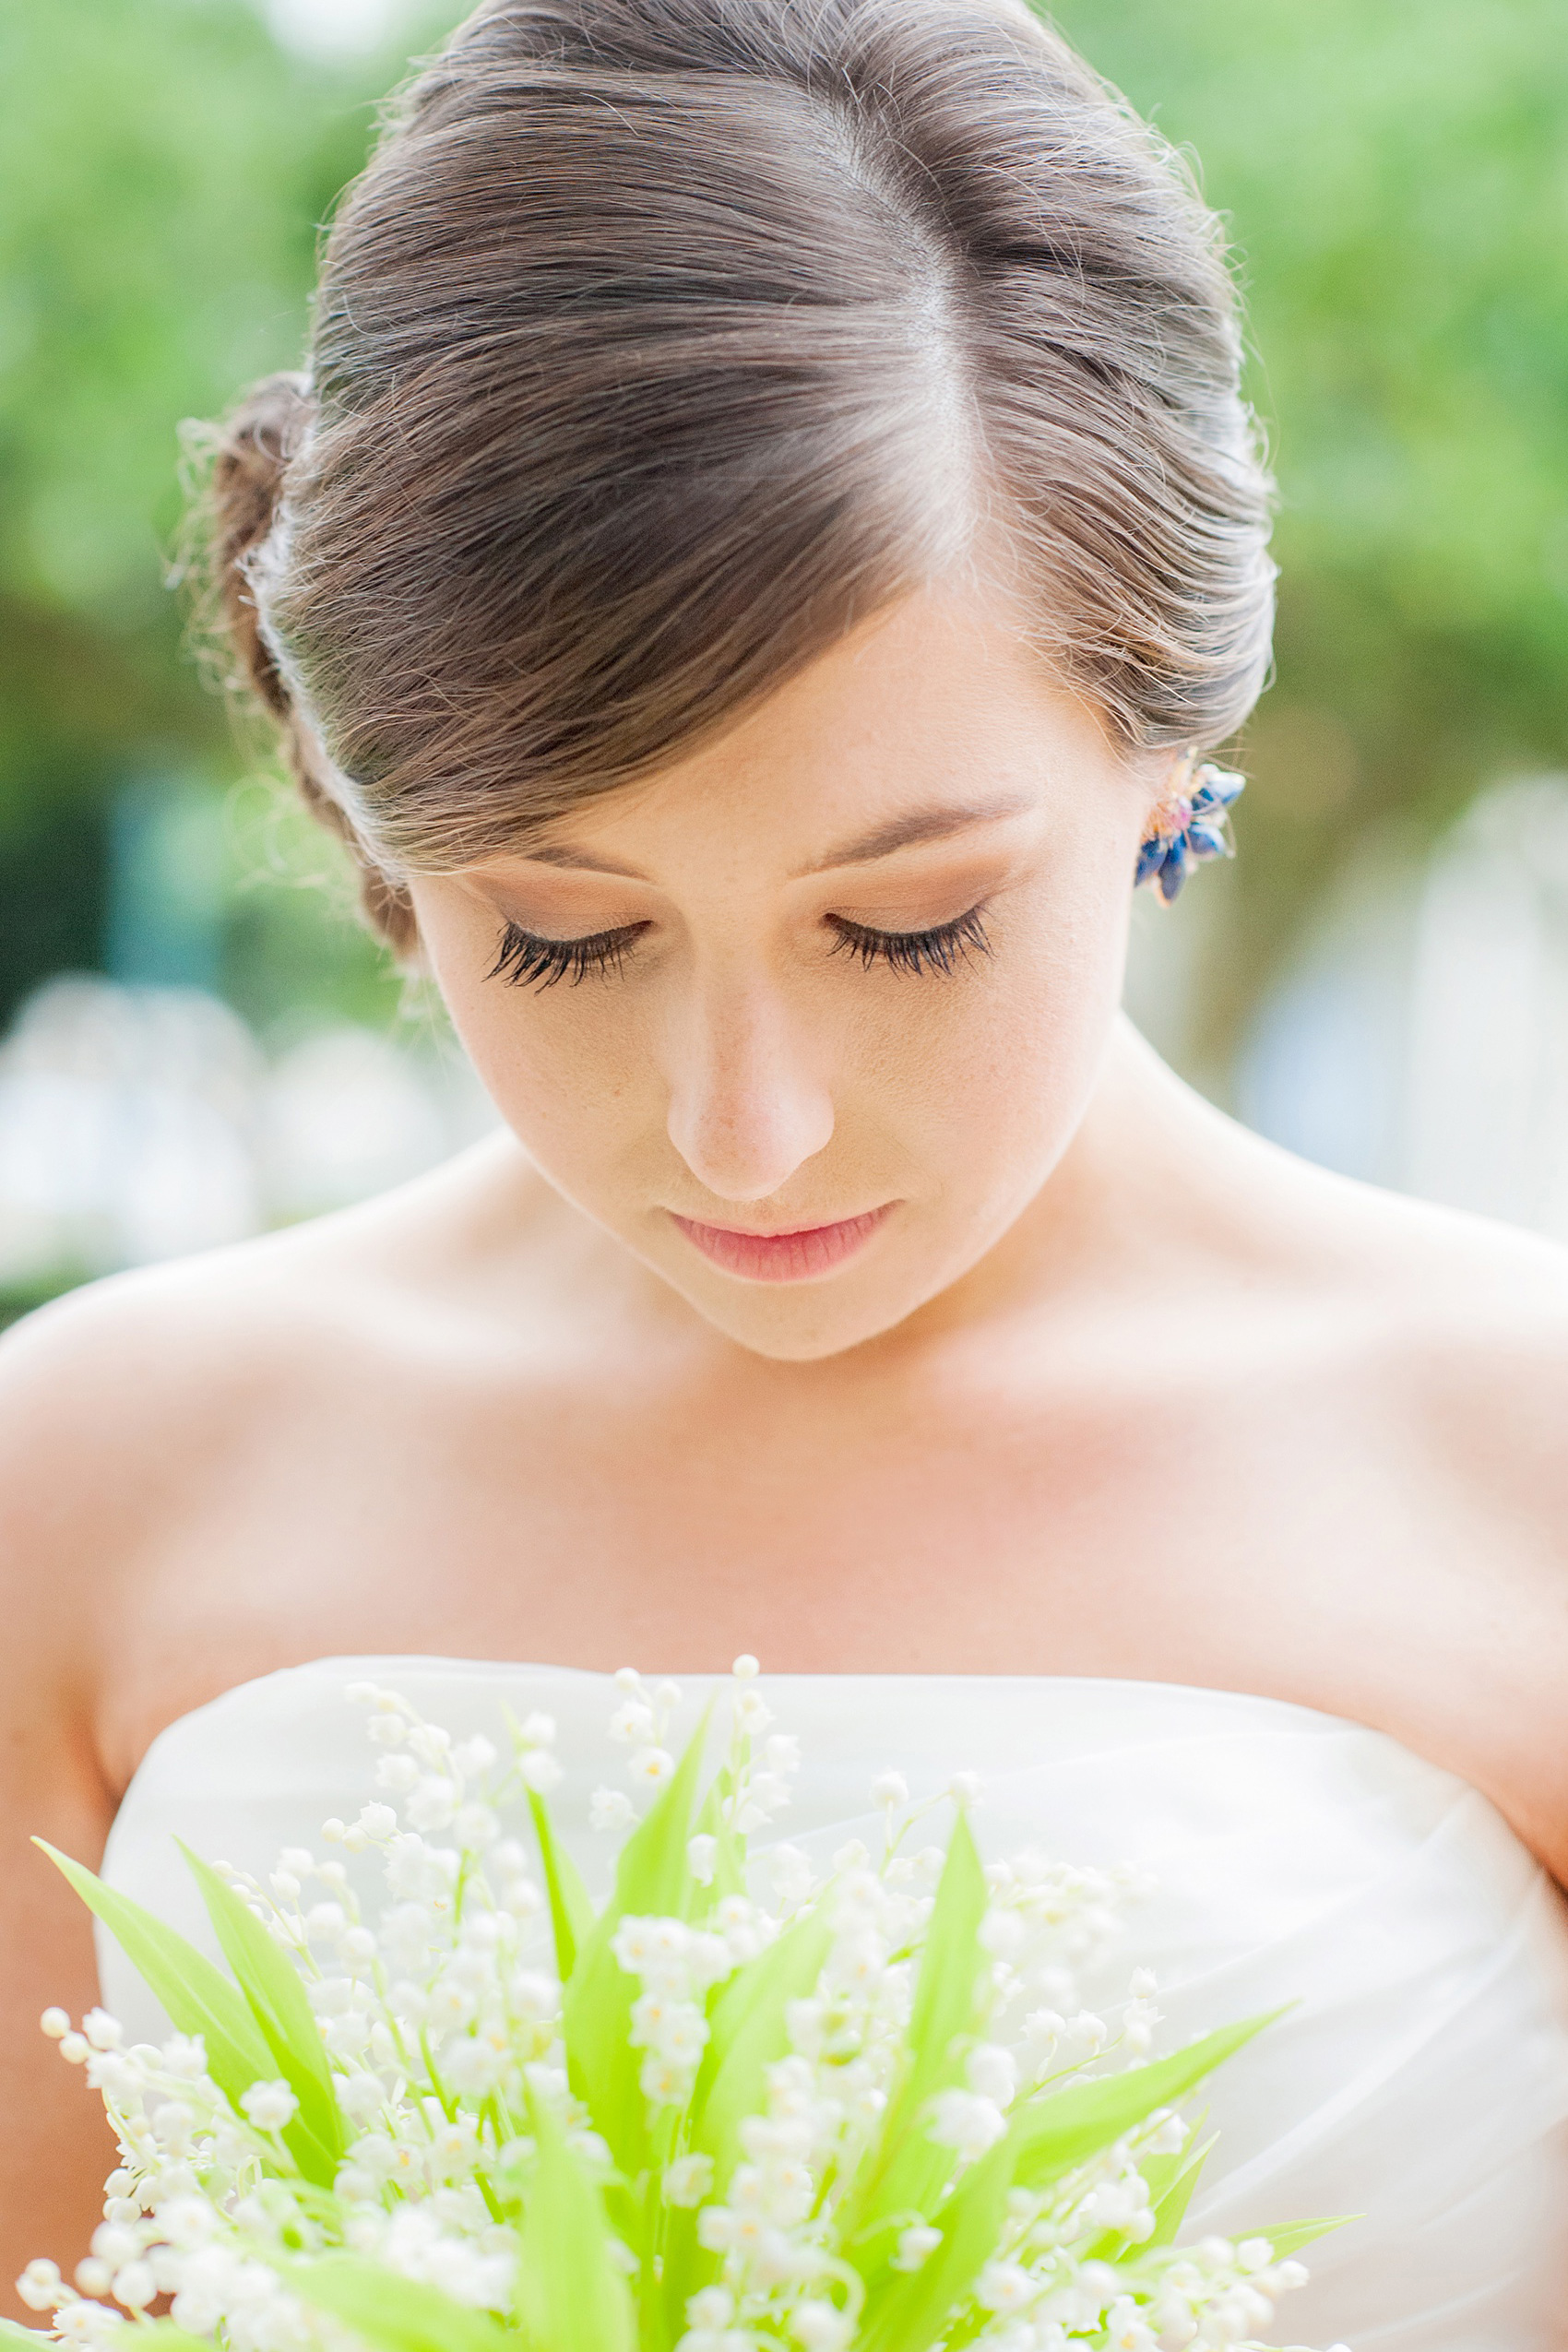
{"type": "Point", "coordinates": [1189, 826]}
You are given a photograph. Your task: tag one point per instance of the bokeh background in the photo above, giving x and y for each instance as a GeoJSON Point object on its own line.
{"type": "Point", "coordinates": [198, 1042]}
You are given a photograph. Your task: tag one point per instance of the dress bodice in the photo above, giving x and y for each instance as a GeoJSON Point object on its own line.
{"type": "Point", "coordinates": [1421, 2081]}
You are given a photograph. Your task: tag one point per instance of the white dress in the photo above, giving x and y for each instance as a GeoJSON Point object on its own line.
{"type": "Point", "coordinates": [1421, 2082]}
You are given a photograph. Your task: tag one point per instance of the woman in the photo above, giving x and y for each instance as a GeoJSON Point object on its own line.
{"type": "Point", "coordinates": [768, 533]}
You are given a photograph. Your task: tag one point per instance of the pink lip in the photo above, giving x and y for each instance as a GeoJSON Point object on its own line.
{"type": "Point", "coordinates": [801, 1256]}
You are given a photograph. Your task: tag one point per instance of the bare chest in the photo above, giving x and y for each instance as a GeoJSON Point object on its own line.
{"type": "Point", "coordinates": [1276, 1543]}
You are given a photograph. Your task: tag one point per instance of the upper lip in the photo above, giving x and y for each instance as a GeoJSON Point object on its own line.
{"type": "Point", "coordinates": [779, 1232]}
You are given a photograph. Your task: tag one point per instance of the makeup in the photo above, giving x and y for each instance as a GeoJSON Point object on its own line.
{"type": "Point", "coordinates": [800, 1256]}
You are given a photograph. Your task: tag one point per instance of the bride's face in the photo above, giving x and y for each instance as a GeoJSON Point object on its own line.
{"type": "Point", "coordinates": [807, 1022]}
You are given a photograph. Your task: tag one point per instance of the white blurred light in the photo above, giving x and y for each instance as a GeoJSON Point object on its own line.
{"type": "Point", "coordinates": [344, 1115]}
{"type": "Point", "coordinates": [333, 28]}
{"type": "Point", "coordinates": [138, 1124]}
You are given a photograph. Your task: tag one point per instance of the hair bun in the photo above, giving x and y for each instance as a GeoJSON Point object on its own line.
{"type": "Point", "coordinates": [251, 454]}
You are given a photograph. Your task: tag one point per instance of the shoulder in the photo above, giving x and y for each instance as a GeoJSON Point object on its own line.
{"type": "Point", "coordinates": [119, 1400]}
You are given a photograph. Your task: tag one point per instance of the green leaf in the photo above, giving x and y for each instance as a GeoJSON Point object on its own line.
{"type": "Point", "coordinates": [395, 2313]}
{"type": "Point", "coordinates": [652, 1880]}
{"type": "Point", "coordinates": [571, 1910]}
{"type": "Point", "coordinates": [1172, 2180]}
{"type": "Point", "coordinates": [198, 1996]}
{"type": "Point", "coordinates": [272, 1985]}
{"type": "Point", "coordinates": [571, 2296]}
{"type": "Point", "coordinates": [11, 2331]}
{"type": "Point", "coordinates": [905, 2310]}
{"type": "Point", "coordinates": [729, 1862]}
{"type": "Point", "coordinates": [907, 2169]}
{"type": "Point", "coordinates": [747, 2032]}
{"type": "Point", "coordinates": [1291, 2236]}
{"type": "Point", "coordinates": [1055, 2130]}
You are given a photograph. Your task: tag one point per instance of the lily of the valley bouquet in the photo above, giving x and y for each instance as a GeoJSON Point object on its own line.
{"type": "Point", "coordinates": [741, 2106]}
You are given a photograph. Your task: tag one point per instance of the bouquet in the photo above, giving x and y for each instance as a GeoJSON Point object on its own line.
{"type": "Point", "coordinates": [740, 2105]}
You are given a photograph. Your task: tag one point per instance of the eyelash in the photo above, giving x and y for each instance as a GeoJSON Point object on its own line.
{"type": "Point", "coordinates": [524, 960]}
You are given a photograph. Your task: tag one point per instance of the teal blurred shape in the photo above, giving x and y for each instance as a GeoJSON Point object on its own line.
{"type": "Point", "coordinates": [165, 921]}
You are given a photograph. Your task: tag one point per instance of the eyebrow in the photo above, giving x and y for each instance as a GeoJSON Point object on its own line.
{"type": "Point", "coordinates": [916, 825]}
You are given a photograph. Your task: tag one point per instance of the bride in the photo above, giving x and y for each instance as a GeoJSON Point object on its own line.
{"type": "Point", "coordinates": [768, 537]}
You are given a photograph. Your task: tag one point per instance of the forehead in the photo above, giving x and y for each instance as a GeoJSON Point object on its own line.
{"type": "Point", "coordinates": [937, 713]}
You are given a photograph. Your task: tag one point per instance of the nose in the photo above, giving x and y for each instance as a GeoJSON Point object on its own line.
{"type": "Point", "coordinates": [746, 1107]}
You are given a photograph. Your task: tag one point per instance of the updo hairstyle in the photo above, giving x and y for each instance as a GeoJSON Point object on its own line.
{"type": "Point", "coordinates": [663, 342]}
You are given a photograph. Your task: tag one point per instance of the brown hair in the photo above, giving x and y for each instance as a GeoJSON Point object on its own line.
{"type": "Point", "coordinates": [663, 340]}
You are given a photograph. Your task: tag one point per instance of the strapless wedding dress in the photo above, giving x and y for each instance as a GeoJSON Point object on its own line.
{"type": "Point", "coordinates": [1421, 2082]}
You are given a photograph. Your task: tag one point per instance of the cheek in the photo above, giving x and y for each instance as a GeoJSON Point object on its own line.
{"type": "Point", "coordinates": [557, 1063]}
{"type": "Point", "coordinates": [993, 1070]}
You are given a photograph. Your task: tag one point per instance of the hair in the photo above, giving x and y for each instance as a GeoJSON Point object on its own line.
{"type": "Point", "coordinates": [664, 341]}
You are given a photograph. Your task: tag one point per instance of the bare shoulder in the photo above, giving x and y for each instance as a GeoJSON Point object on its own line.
{"type": "Point", "coordinates": [1468, 1315]}
{"type": "Point", "coordinates": [117, 1397]}
{"type": "Point", "coordinates": [1444, 1341]}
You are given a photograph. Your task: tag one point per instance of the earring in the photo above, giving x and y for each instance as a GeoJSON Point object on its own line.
{"type": "Point", "coordinates": [1188, 827]}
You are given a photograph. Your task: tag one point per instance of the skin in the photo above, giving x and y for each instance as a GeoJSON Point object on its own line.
{"type": "Point", "coordinates": [1115, 1388]}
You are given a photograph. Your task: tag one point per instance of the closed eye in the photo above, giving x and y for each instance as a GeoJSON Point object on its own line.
{"type": "Point", "coordinates": [940, 949]}
{"type": "Point", "coordinates": [527, 960]}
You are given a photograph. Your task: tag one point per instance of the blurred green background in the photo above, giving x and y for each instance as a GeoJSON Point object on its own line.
{"type": "Point", "coordinates": [1395, 173]}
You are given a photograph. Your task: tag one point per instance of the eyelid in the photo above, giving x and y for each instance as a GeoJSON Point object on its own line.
{"type": "Point", "coordinates": [932, 947]}
{"type": "Point", "coordinates": [533, 959]}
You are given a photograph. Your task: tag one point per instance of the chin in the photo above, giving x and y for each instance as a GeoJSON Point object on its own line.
{"type": "Point", "coordinates": [807, 1322]}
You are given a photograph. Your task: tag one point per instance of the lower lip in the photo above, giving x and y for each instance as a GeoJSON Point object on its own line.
{"type": "Point", "coordinates": [802, 1256]}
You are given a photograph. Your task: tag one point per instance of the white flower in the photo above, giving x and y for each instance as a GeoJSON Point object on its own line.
{"type": "Point", "coordinates": [39, 2286]}
{"type": "Point", "coordinates": [916, 2246]}
{"type": "Point", "coordinates": [790, 1869]}
{"type": "Point", "coordinates": [56, 2024]}
{"type": "Point", "coordinates": [429, 1806]}
{"type": "Point", "coordinates": [965, 2122]}
{"type": "Point", "coordinates": [992, 2072]}
{"type": "Point", "coordinates": [269, 2106]}
{"type": "Point", "coordinates": [632, 1723]}
{"type": "Point", "coordinates": [821, 2328]}
{"type": "Point", "coordinates": [752, 1711]}
{"type": "Point", "coordinates": [688, 2179]}
{"type": "Point", "coordinates": [653, 1766]}
{"type": "Point", "coordinates": [101, 2030]}
{"type": "Point", "coordinates": [540, 1771]}
{"type": "Point", "coordinates": [702, 1857]}
{"type": "Point", "coordinates": [781, 1751]}
{"type": "Point", "coordinates": [534, 1995]}
{"type": "Point", "coordinates": [360, 2096]}
{"type": "Point", "coordinates": [766, 1793]}
{"type": "Point", "coordinates": [1127, 2329]}
{"type": "Point", "coordinates": [475, 1756]}
{"type": "Point", "coordinates": [397, 1773]}
{"type": "Point", "coordinates": [377, 1822]}
{"type": "Point", "coordinates": [475, 2064]}
{"type": "Point", "coordinates": [135, 2286]}
{"type": "Point", "coordinates": [1005, 2286]}
{"type": "Point", "coordinates": [745, 1668]}
{"type": "Point", "coordinates": [475, 1828]}
{"type": "Point", "coordinates": [965, 1788]}
{"type": "Point", "coordinates": [890, 1788]}
{"type": "Point", "coordinates": [611, 1809]}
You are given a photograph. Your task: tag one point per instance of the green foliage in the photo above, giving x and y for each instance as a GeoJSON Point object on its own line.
{"type": "Point", "coordinates": [1395, 177]}
{"type": "Point", "coordinates": [396, 2314]}
{"type": "Point", "coordinates": [198, 1998]}
{"type": "Point", "coordinates": [652, 1877]}
{"type": "Point", "coordinates": [276, 1997]}
{"type": "Point", "coordinates": [571, 2298]}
